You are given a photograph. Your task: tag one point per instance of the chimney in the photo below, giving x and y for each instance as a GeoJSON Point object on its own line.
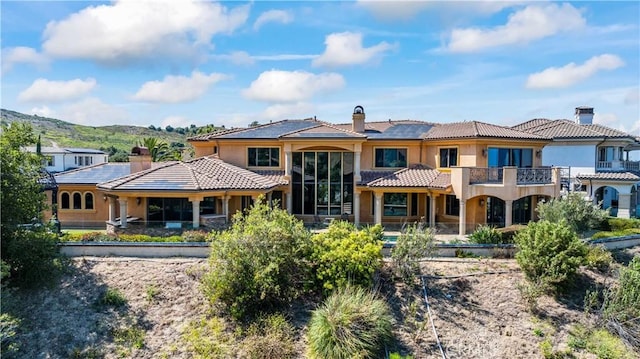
{"type": "Point", "coordinates": [584, 115]}
{"type": "Point", "coordinates": [358, 119]}
{"type": "Point", "coordinates": [139, 159]}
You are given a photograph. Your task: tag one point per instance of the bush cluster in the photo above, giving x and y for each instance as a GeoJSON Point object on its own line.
{"type": "Point", "coordinates": [414, 242]}
{"type": "Point", "coordinates": [579, 214]}
{"type": "Point", "coordinates": [485, 234]}
{"type": "Point", "coordinates": [32, 256]}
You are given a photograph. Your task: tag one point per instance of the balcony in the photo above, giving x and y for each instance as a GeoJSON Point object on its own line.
{"type": "Point", "coordinates": [524, 176]}
{"type": "Point", "coordinates": [605, 166]}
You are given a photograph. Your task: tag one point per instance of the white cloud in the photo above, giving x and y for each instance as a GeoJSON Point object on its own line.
{"type": "Point", "coordinates": [282, 111]}
{"type": "Point", "coordinates": [280, 16]}
{"type": "Point", "coordinates": [236, 57]}
{"type": "Point", "coordinates": [56, 91]}
{"type": "Point", "coordinates": [632, 97]}
{"type": "Point", "coordinates": [22, 55]}
{"type": "Point", "coordinates": [134, 30]}
{"type": "Point", "coordinates": [407, 10]}
{"type": "Point", "coordinates": [292, 86]}
{"type": "Point", "coordinates": [570, 74]}
{"type": "Point", "coordinates": [43, 111]}
{"type": "Point", "coordinates": [175, 121]}
{"type": "Point", "coordinates": [175, 89]}
{"type": "Point", "coordinates": [606, 119]}
{"type": "Point", "coordinates": [344, 49]}
{"type": "Point", "coordinates": [93, 111]}
{"type": "Point", "coordinates": [531, 23]}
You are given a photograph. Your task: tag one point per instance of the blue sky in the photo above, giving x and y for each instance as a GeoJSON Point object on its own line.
{"type": "Point", "coordinates": [230, 63]}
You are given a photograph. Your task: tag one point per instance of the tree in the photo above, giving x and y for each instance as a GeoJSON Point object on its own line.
{"type": "Point", "coordinates": [579, 214]}
{"type": "Point", "coordinates": [159, 150]}
{"type": "Point", "coordinates": [28, 248]}
{"type": "Point", "coordinates": [254, 124]}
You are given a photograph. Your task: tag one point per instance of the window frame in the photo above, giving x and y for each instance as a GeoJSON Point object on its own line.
{"type": "Point", "coordinates": [384, 149]}
{"type": "Point", "coordinates": [257, 159]}
{"type": "Point", "coordinates": [392, 212]}
{"type": "Point", "coordinates": [448, 164]}
{"type": "Point", "coordinates": [451, 205]}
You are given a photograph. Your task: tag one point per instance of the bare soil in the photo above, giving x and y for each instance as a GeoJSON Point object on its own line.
{"type": "Point", "coordinates": [476, 307]}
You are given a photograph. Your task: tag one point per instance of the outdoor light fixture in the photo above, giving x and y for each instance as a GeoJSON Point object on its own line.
{"type": "Point", "coordinates": [538, 153]}
{"type": "Point", "coordinates": [481, 202]}
{"type": "Point", "coordinates": [138, 200]}
{"type": "Point", "coordinates": [484, 152]}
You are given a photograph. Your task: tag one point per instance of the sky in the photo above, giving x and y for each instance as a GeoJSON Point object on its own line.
{"type": "Point", "coordinates": [177, 63]}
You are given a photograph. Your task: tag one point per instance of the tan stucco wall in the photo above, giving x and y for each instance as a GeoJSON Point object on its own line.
{"type": "Point", "coordinates": [80, 217]}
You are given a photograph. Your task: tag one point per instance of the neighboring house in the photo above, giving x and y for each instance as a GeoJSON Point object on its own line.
{"type": "Point", "coordinates": [456, 175]}
{"type": "Point", "coordinates": [63, 159]}
{"type": "Point", "coordinates": [596, 156]}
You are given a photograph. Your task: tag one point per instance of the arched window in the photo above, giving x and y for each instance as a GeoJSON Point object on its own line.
{"type": "Point", "coordinates": [88, 200]}
{"type": "Point", "coordinates": [77, 201]}
{"type": "Point", "coordinates": [64, 200]}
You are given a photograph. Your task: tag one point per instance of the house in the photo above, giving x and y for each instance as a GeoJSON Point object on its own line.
{"type": "Point", "coordinates": [597, 159]}
{"type": "Point", "coordinates": [453, 176]}
{"type": "Point", "coordinates": [62, 159]}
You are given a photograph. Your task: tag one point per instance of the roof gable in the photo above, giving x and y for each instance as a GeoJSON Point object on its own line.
{"type": "Point", "coordinates": [476, 129]}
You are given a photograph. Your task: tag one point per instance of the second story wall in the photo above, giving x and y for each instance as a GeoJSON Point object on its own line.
{"type": "Point", "coordinates": [581, 158]}
{"type": "Point", "coordinates": [369, 149]}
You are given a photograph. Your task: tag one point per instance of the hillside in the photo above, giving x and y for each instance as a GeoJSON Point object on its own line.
{"type": "Point", "coordinates": [122, 138]}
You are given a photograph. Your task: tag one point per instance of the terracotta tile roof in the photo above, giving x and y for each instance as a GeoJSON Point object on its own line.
{"type": "Point", "coordinates": [610, 176]}
{"type": "Point", "coordinates": [276, 176]}
{"type": "Point", "coordinates": [201, 174]}
{"type": "Point", "coordinates": [560, 129]}
{"type": "Point", "coordinates": [369, 176]}
{"type": "Point", "coordinates": [476, 129]}
{"type": "Point", "coordinates": [415, 176]}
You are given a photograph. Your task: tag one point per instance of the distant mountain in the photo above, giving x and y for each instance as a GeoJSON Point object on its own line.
{"type": "Point", "coordinates": [123, 138]}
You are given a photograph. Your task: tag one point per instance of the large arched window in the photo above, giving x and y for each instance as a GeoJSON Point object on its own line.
{"type": "Point", "coordinates": [77, 201]}
{"type": "Point", "coordinates": [88, 200]}
{"type": "Point", "coordinates": [64, 200]}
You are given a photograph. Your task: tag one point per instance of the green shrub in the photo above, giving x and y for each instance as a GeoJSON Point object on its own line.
{"type": "Point", "coordinates": [396, 355]}
{"type": "Point", "coordinates": [33, 256]}
{"type": "Point", "coordinates": [621, 224]}
{"type": "Point", "coordinates": [486, 235]}
{"type": "Point", "coordinates": [270, 337]}
{"type": "Point", "coordinates": [509, 233]}
{"type": "Point", "coordinates": [207, 339]}
{"type": "Point", "coordinates": [618, 233]}
{"type": "Point", "coordinates": [131, 336]}
{"type": "Point", "coordinates": [549, 253]}
{"type": "Point", "coordinates": [581, 215]}
{"type": "Point", "coordinates": [415, 242]}
{"type": "Point", "coordinates": [351, 323]}
{"type": "Point", "coordinates": [194, 236]}
{"type": "Point", "coordinates": [9, 326]}
{"type": "Point", "coordinates": [598, 258]}
{"type": "Point", "coordinates": [260, 262]}
{"type": "Point", "coordinates": [623, 302]}
{"type": "Point", "coordinates": [113, 297]}
{"type": "Point", "coordinates": [344, 255]}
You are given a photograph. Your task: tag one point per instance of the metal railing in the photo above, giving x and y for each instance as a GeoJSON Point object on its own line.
{"type": "Point", "coordinates": [534, 176]}
{"type": "Point", "coordinates": [485, 175]}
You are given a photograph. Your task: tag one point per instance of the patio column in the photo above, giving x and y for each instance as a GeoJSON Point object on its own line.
{"type": "Point", "coordinates": [287, 163]}
{"type": "Point", "coordinates": [225, 208]}
{"type": "Point", "coordinates": [123, 211]}
{"type": "Point", "coordinates": [112, 209]}
{"type": "Point", "coordinates": [624, 205]}
{"type": "Point", "coordinates": [508, 212]}
{"type": "Point", "coordinates": [462, 225]}
{"type": "Point", "coordinates": [432, 210]}
{"type": "Point", "coordinates": [356, 163]}
{"type": "Point", "coordinates": [378, 207]}
{"type": "Point", "coordinates": [195, 208]}
{"type": "Point", "coordinates": [356, 208]}
{"type": "Point", "coordinates": [289, 200]}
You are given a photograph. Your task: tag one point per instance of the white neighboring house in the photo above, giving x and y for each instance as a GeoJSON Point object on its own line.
{"type": "Point", "coordinates": [596, 158]}
{"type": "Point", "coordinates": [62, 159]}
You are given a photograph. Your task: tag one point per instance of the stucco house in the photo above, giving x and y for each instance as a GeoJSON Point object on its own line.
{"type": "Point", "coordinates": [454, 175]}
{"type": "Point", "coordinates": [60, 159]}
{"type": "Point", "coordinates": [597, 159]}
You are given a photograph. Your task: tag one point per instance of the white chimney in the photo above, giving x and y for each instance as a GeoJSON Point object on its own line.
{"type": "Point", "coordinates": [358, 119]}
{"type": "Point", "coordinates": [584, 115]}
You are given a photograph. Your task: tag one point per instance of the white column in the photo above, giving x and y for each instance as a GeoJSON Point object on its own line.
{"type": "Point", "coordinates": [463, 218]}
{"type": "Point", "coordinates": [225, 208]}
{"type": "Point", "coordinates": [123, 211]}
{"type": "Point", "coordinates": [356, 208]}
{"type": "Point", "coordinates": [508, 213]}
{"type": "Point", "coordinates": [195, 207]}
{"type": "Point", "coordinates": [289, 200]}
{"type": "Point", "coordinates": [432, 211]}
{"type": "Point", "coordinates": [356, 169]}
{"type": "Point", "coordinates": [378, 207]}
{"type": "Point", "coordinates": [287, 163]}
{"type": "Point", "coordinates": [112, 209]}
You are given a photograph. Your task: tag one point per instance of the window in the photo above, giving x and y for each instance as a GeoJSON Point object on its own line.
{"type": "Point", "coordinates": [609, 153]}
{"type": "Point", "coordinates": [88, 200]}
{"type": "Point", "coordinates": [51, 161]}
{"type": "Point", "coordinates": [64, 200]}
{"type": "Point", "coordinates": [264, 157]}
{"type": "Point", "coordinates": [452, 205]}
{"type": "Point", "coordinates": [395, 204]}
{"type": "Point", "coordinates": [518, 157]}
{"type": "Point", "coordinates": [80, 160]}
{"type": "Point", "coordinates": [77, 201]}
{"type": "Point", "coordinates": [391, 157]}
{"type": "Point", "coordinates": [448, 157]}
